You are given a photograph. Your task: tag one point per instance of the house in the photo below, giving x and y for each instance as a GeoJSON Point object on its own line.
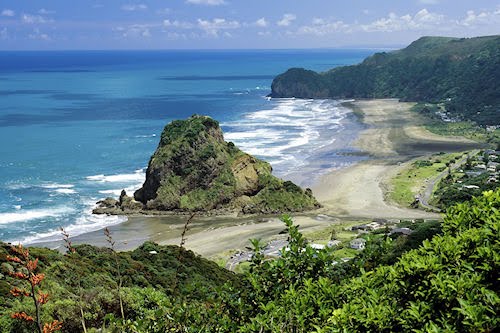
{"type": "Point", "coordinates": [374, 226]}
{"type": "Point", "coordinates": [317, 246]}
{"type": "Point", "coordinates": [480, 167]}
{"type": "Point", "coordinates": [493, 165]}
{"type": "Point", "coordinates": [492, 179]}
{"type": "Point", "coordinates": [358, 243]}
{"type": "Point", "coordinates": [359, 227]}
{"type": "Point", "coordinates": [474, 173]}
{"type": "Point", "coordinates": [404, 231]}
{"type": "Point", "coordinates": [470, 187]}
{"type": "Point", "coordinates": [333, 243]}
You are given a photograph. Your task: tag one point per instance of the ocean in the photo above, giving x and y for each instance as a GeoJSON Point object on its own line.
{"type": "Point", "coordinates": [78, 126]}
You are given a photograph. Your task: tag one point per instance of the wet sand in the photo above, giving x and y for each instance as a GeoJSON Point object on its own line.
{"type": "Point", "coordinates": [394, 135]}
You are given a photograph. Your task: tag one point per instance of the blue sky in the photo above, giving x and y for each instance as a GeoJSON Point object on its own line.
{"type": "Point", "coordinates": [233, 24]}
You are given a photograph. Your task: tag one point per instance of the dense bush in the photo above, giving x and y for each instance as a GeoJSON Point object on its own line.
{"type": "Point", "coordinates": [447, 284]}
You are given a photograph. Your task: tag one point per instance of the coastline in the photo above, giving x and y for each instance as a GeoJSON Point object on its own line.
{"type": "Point", "coordinates": [394, 136]}
{"type": "Point", "coordinates": [389, 134]}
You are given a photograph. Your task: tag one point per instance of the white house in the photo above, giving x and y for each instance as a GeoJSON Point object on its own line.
{"type": "Point", "coordinates": [358, 243]}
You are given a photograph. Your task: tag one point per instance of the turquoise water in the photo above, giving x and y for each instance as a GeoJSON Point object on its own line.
{"type": "Point", "coordinates": [76, 127]}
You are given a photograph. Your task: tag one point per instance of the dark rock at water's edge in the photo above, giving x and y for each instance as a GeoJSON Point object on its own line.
{"type": "Point", "coordinates": [195, 170]}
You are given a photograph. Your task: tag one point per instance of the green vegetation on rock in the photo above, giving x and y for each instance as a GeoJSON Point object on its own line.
{"type": "Point", "coordinates": [194, 169]}
{"type": "Point", "coordinates": [462, 74]}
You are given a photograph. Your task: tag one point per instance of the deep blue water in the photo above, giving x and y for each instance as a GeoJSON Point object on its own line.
{"type": "Point", "coordinates": [79, 126]}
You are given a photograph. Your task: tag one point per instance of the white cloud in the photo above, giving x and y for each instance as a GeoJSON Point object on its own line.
{"type": "Point", "coordinates": [321, 27]}
{"type": "Point", "coordinates": [135, 30]}
{"type": "Point", "coordinates": [422, 20]}
{"type": "Point", "coordinates": [8, 12]}
{"type": "Point", "coordinates": [213, 27]}
{"type": "Point", "coordinates": [44, 11]}
{"type": "Point", "coordinates": [38, 35]}
{"type": "Point", "coordinates": [34, 19]}
{"type": "Point", "coordinates": [264, 33]}
{"type": "Point", "coordinates": [261, 23]}
{"type": "Point", "coordinates": [483, 18]}
{"type": "Point", "coordinates": [134, 7]}
{"type": "Point", "coordinates": [207, 2]}
{"type": "Point", "coordinates": [286, 20]}
{"type": "Point", "coordinates": [178, 24]}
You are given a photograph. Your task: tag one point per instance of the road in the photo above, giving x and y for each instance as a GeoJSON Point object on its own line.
{"type": "Point", "coordinates": [426, 196]}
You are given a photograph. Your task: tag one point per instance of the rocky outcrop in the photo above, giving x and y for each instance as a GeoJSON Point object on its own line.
{"type": "Point", "coordinates": [195, 170]}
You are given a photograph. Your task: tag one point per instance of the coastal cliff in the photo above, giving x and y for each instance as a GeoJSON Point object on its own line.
{"type": "Point", "coordinates": [461, 73]}
{"type": "Point", "coordinates": [195, 170]}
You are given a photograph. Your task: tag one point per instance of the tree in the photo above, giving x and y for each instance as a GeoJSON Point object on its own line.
{"type": "Point", "coordinates": [28, 276]}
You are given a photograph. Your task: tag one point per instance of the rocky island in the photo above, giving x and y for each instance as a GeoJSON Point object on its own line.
{"type": "Point", "coordinates": [195, 170]}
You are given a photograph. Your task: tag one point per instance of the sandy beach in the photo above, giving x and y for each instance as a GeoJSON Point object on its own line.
{"type": "Point", "coordinates": [392, 136]}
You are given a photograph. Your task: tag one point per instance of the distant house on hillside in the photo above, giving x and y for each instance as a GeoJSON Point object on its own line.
{"type": "Point", "coordinates": [471, 187]}
{"type": "Point", "coordinates": [358, 243]}
{"type": "Point", "coordinates": [404, 231]}
{"type": "Point", "coordinates": [333, 243]}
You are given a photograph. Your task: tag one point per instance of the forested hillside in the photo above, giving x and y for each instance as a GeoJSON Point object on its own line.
{"type": "Point", "coordinates": [464, 74]}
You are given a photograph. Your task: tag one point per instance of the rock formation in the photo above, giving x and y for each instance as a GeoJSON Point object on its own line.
{"type": "Point", "coordinates": [195, 170]}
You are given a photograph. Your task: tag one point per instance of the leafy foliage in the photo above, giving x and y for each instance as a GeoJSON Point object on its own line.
{"type": "Point", "coordinates": [441, 278]}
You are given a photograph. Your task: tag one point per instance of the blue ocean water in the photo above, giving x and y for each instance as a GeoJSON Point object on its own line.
{"type": "Point", "coordinates": [78, 126]}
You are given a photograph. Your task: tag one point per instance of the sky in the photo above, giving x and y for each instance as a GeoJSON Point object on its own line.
{"type": "Point", "coordinates": [238, 24]}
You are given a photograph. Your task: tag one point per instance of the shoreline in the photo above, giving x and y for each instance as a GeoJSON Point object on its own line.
{"type": "Point", "coordinates": [388, 134]}
{"type": "Point", "coordinates": [393, 136]}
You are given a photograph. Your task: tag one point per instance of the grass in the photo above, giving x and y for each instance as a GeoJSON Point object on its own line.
{"type": "Point", "coordinates": [466, 129]}
{"type": "Point", "coordinates": [411, 180]}
{"type": "Point", "coordinates": [322, 236]}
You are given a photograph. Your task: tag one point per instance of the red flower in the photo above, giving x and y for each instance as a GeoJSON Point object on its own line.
{"type": "Point", "coordinates": [19, 275]}
{"type": "Point", "coordinates": [22, 316]}
{"type": "Point", "coordinates": [31, 265]}
{"type": "Point", "coordinates": [14, 259]}
{"type": "Point", "coordinates": [42, 297]}
{"type": "Point", "coordinates": [36, 279]}
{"type": "Point", "coordinates": [16, 292]}
{"type": "Point", "coordinates": [52, 327]}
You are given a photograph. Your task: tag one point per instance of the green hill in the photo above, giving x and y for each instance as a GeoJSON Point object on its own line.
{"type": "Point", "coordinates": [195, 170]}
{"type": "Point", "coordinates": [462, 73]}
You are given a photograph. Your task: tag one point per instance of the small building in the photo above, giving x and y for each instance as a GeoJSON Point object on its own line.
{"type": "Point", "coordinates": [474, 173]}
{"type": "Point", "coordinates": [374, 226]}
{"type": "Point", "coordinates": [404, 231]}
{"type": "Point", "coordinates": [333, 243]}
{"type": "Point", "coordinates": [470, 187]}
{"type": "Point", "coordinates": [480, 167]}
{"type": "Point", "coordinates": [317, 246]}
{"type": "Point", "coordinates": [492, 180]}
{"type": "Point", "coordinates": [492, 165]}
{"type": "Point", "coordinates": [358, 243]}
{"type": "Point", "coordinates": [359, 227]}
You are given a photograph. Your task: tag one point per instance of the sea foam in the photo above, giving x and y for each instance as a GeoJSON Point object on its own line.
{"type": "Point", "coordinates": [33, 214]}
{"type": "Point", "coordinates": [288, 132]}
{"type": "Point", "coordinates": [137, 176]}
